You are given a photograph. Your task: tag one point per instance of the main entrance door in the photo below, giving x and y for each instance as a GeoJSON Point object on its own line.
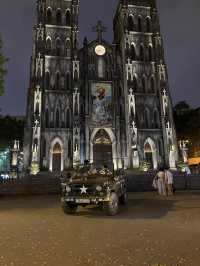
{"type": "Point", "coordinates": [57, 151]}
{"type": "Point", "coordinates": [149, 155]}
{"type": "Point", "coordinates": [102, 149]}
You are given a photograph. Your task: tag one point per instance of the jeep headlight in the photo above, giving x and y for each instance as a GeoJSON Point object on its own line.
{"type": "Point", "coordinates": [99, 188]}
{"type": "Point", "coordinates": [108, 190]}
{"type": "Point", "coordinates": [68, 189]}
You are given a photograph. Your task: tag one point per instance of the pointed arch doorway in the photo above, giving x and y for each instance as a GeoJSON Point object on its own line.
{"type": "Point", "coordinates": [102, 149]}
{"type": "Point", "coordinates": [150, 153]}
{"type": "Point", "coordinates": [57, 156]}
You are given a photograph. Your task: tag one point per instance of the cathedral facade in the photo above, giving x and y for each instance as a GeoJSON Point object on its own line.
{"type": "Point", "coordinates": [108, 103]}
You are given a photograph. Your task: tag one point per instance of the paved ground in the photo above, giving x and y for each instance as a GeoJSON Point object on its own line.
{"type": "Point", "coordinates": [149, 231]}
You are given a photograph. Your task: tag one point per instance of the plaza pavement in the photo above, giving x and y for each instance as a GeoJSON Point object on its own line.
{"type": "Point", "coordinates": [149, 231]}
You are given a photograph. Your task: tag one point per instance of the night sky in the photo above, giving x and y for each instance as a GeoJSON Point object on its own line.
{"type": "Point", "coordinates": [180, 21]}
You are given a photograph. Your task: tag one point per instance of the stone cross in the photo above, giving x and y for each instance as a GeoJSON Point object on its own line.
{"type": "Point", "coordinates": [99, 28]}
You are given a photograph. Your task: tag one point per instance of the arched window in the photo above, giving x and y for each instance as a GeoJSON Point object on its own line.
{"type": "Point", "coordinates": [120, 91]}
{"type": "Point", "coordinates": [48, 46]}
{"type": "Point", "coordinates": [69, 148]}
{"type": "Point", "coordinates": [68, 18]}
{"type": "Point", "coordinates": [139, 24]}
{"type": "Point", "coordinates": [138, 119]}
{"type": "Point", "coordinates": [58, 17]}
{"type": "Point", "coordinates": [132, 112]}
{"type": "Point", "coordinates": [47, 80]}
{"type": "Point", "coordinates": [150, 53]}
{"type": "Point", "coordinates": [100, 67]}
{"type": "Point", "coordinates": [68, 119]}
{"type": "Point", "coordinates": [133, 53]}
{"type": "Point", "coordinates": [135, 84]}
{"type": "Point", "coordinates": [44, 148]}
{"type": "Point", "coordinates": [160, 146]}
{"type": "Point", "coordinates": [67, 81]}
{"type": "Point", "coordinates": [40, 43]}
{"type": "Point", "coordinates": [121, 111]}
{"type": "Point", "coordinates": [152, 85]}
{"type": "Point", "coordinates": [130, 23]}
{"type": "Point", "coordinates": [49, 16]}
{"type": "Point", "coordinates": [127, 50]}
{"type": "Point", "coordinates": [129, 77]}
{"type": "Point", "coordinates": [108, 76]}
{"type": "Point", "coordinates": [39, 73]}
{"type": "Point", "coordinates": [68, 46]}
{"type": "Point", "coordinates": [47, 118]}
{"type": "Point", "coordinates": [76, 105]}
{"type": "Point", "coordinates": [75, 75]}
{"type": "Point", "coordinates": [57, 83]}
{"type": "Point", "coordinates": [143, 84]}
{"type": "Point", "coordinates": [57, 119]}
{"type": "Point", "coordinates": [148, 24]}
{"type": "Point", "coordinates": [37, 109]}
{"type": "Point", "coordinates": [58, 47]}
{"type": "Point", "coordinates": [147, 118]}
{"type": "Point", "coordinates": [141, 53]}
{"type": "Point", "coordinates": [156, 119]}
{"type": "Point", "coordinates": [110, 59]}
{"type": "Point", "coordinates": [93, 73]}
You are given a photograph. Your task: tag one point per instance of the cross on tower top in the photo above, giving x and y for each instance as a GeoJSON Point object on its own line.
{"type": "Point", "coordinates": [99, 28]}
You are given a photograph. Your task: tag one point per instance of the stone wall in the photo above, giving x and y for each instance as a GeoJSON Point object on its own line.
{"type": "Point", "coordinates": [51, 185]}
{"type": "Point", "coordinates": [30, 185]}
{"type": "Point", "coordinates": [143, 182]}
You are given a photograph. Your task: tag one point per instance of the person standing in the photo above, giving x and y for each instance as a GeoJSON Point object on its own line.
{"type": "Point", "coordinates": [169, 180]}
{"type": "Point", "coordinates": [160, 180]}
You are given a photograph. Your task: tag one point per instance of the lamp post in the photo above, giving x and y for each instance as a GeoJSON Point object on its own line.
{"type": "Point", "coordinates": [14, 158]}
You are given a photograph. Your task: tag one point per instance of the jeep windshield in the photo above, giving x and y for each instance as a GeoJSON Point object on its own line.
{"type": "Point", "coordinates": [92, 173]}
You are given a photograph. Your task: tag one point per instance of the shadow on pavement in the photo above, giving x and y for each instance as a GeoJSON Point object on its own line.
{"type": "Point", "coordinates": [28, 202]}
{"type": "Point", "coordinates": [140, 205]}
{"type": "Point", "coordinates": [135, 209]}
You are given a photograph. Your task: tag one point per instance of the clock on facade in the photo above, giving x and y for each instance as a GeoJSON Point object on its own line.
{"type": "Point", "coordinates": [100, 50]}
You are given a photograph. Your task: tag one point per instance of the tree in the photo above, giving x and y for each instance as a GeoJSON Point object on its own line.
{"type": "Point", "coordinates": [187, 121]}
{"type": "Point", "coordinates": [182, 108]}
{"type": "Point", "coordinates": [2, 69]}
{"type": "Point", "coordinates": [10, 129]}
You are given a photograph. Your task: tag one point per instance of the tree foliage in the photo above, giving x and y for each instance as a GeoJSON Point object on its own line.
{"type": "Point", "coordinates": [10, 130]}
{"type": "Point", "coordinates": [187, 121]}
{"type": "Point", "coordinates": [2, 68]}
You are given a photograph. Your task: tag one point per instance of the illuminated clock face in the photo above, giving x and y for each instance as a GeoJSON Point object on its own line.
{"type": "Point", "coordinates": [100, 50]}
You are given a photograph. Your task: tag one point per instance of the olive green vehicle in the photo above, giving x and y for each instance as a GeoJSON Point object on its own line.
{"type": "Point", "coordinates": [103, 188]}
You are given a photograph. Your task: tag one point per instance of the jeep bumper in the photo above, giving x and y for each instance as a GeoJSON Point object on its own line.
{"type": "Point", "coordinates": [83, 201]}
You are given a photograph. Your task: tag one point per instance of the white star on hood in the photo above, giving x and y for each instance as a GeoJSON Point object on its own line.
{"type": "Point", "coordinates": [83, 189]}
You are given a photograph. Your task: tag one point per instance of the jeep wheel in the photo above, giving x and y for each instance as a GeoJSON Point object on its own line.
{"type": "Point", "coordinates": [112, 207]}
{"type": "Point", "coordinates": [123, 199]}
{"type": "Point", "coordinates": [69, 208]}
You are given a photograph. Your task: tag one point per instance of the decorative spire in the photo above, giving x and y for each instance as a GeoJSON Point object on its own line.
{"type": "Point", "coordinates": [99, 28]}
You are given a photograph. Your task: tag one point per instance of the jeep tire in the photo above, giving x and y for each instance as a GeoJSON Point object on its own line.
{"type": "Point", "coordinates": [69, 208]}
{"type": "Point", "coordinates": [112, 207]}
{"type": "Point", "coordinates": [123, 199]}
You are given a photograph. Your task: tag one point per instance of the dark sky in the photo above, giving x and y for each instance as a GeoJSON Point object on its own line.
{"type": "Point", "coordinates": [180, 21]}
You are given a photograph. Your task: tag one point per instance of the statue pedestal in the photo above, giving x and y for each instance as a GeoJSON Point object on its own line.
{"type": "Point", "coordinates": [35, 169]}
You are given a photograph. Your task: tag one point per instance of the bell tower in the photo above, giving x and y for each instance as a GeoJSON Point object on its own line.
{"type": "Point", "coordinates": [151, 137]}
{"type": "Point", "coordinates": [53, 88]}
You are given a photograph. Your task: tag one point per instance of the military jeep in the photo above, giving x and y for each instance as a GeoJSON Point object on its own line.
{"type": "Point", "coordinates": [103, 188]}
